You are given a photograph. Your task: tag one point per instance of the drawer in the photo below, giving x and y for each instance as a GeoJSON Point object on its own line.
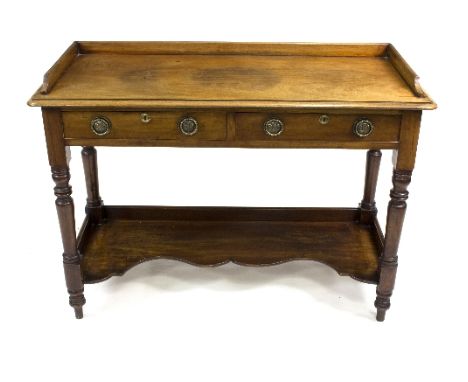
{"type": "Point", "coordinates": [318, 127]}
{"type": "Point", "coordinates": [149, 125]}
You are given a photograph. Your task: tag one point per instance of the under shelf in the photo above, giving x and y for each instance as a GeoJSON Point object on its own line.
{"type": "Point", "coordinates": [210, 236]}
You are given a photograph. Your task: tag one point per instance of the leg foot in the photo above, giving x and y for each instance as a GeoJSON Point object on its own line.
{"type": "Point", "coordinates": [76, 302]}
{"type": "Point", "coordinates": [381, 314]}
{"type": "Point", "coordinates": [382, 304]}
{"type": "Point", "coordinates": [78, 312]}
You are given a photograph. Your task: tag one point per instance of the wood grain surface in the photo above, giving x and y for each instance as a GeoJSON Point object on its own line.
{"type": "Point", "coordinates": [107, 76]}
{"type": "Point", "coordinates": [161, 125]}
{"type": "Point", "coordinates": [298, 126]}
{"type": "Point", "coordinates": [320, 92]}
{"type": "Point", "coordinates": [212, 236]}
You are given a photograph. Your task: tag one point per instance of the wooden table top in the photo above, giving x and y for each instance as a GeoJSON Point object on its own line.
{"type": "Point", "coordinates": [226, 75]}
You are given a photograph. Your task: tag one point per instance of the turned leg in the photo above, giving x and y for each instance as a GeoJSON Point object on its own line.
{"type": "Point", "coordinates": [71, 259]}
{"type": "Point", "coordinates": [367, 206]}
{"type": "Point", "coordinates": [389, 260]}
{"type": "Point", "coordinates": [58, 159]}
{"type": "Point", "coordinates": [94, 203]}
{"type": "Point", "coordinates": [404, 160]}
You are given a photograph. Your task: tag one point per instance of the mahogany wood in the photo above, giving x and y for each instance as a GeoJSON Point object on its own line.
{"type": "Point", "coordinates": [215, 236]}
{"type": "Point", "coordinates": [232, 48]}
{"type": "Point", "coordinates": [56, 71]}
{"type": "Point", "coordinates": [161, 125]}
{"type": "Point", "coordinates": [231, 89]}
{"type": "Point", "coordinates": [389, 261]}
{"type": "Point", "coordinates": [271, 142]}
{"type": "Point", "coordinates": [301, 129]}
{"type": "Point", "coordinates": [307, 126]}
{"type": "Point", "coordinates": [409, 134]}
{"type": "Point", "coordinates": [368, 207]}
{"type": "Point", "coordinates": [58, 160]}
{"type": "Point", "coordinates": [405, 70]}
{"type": "Point", "coordinates": [94, 202]}
{"type": "Point", "coordinates": [188, 75]}
{"type": "Point", "coordinates": [403, 168]}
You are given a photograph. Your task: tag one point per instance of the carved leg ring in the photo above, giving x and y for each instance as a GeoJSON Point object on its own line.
{"type": "Point", "coordinates": [389, 259]}
{"type": "Point", "coordinates": [71, 259]}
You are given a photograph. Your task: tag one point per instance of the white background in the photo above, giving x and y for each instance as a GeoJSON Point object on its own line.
{"type": "Point", "coordinates": [168, 321]}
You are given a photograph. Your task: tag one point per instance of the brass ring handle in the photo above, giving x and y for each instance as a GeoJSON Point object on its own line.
{"type": "Point", "coordinates": [363, 127]}
{"type": "Point", "coordinates": [145, 117]}
{"type": "Point", "coordinates": [273, 127]}
{"type": "Point", "coordinates": [101, 125]}
{"type": "Point", "coordinates": [188, 126]}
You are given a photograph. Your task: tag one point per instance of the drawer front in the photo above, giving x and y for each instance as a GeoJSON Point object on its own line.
{"type": "Point", "coordinates": [146, 125]}
{"type": "Point", "coordinates": [317, 127]}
